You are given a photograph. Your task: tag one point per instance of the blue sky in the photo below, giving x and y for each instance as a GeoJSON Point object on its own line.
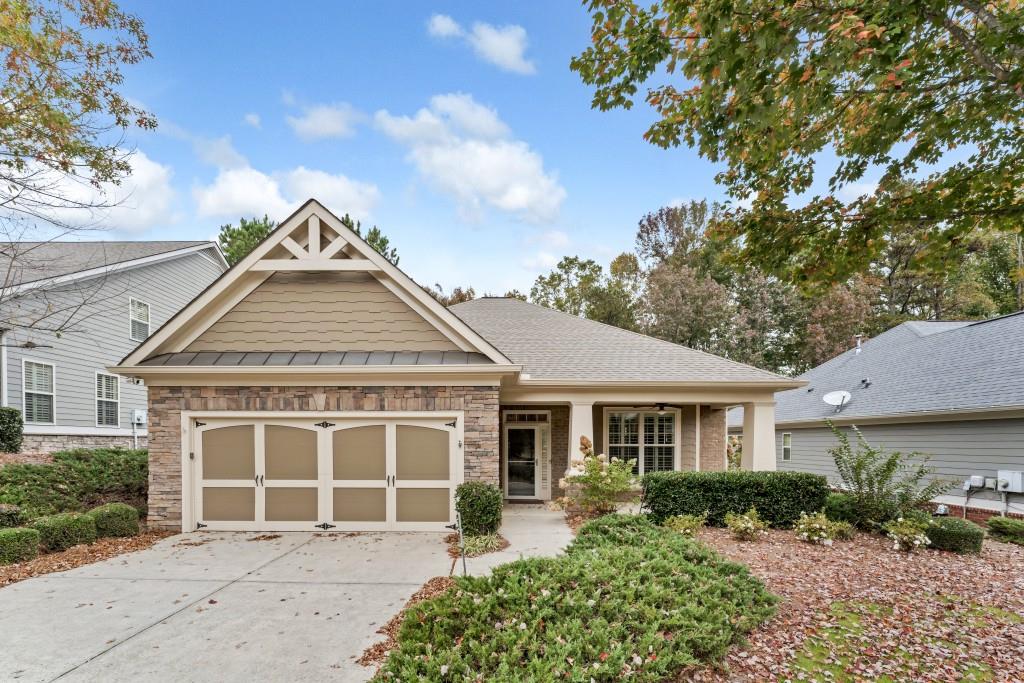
{"type": "Point", "coordinates": [458, 128]}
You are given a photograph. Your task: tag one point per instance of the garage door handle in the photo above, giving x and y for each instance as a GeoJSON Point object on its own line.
{"type": "Point", "coordinates": [261, 480]}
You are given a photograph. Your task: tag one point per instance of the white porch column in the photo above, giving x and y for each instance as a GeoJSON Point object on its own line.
{"type": "Point", "coordinates": [581, 423]}
{"type": "Point", "coordinates": [759, 436]}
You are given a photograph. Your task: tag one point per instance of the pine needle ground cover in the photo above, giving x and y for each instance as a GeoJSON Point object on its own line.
{"type": "Point", "coordinates": [626, 599]}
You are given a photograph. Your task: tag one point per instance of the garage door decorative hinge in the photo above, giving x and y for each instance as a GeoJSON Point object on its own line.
{"type": "Point", "coordinates": [324, 525]}
{"type": "Point", "coordinates": [200, 525]}
{"type": "Point", "coordinates": [325, 424]}
{"type": "Point", "coordinates": [450, 424]}
{"type": "Point", "coordinates": [200, 424]}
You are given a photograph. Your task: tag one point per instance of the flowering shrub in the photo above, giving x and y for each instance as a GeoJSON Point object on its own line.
{"type": "Point", "coordinates": [746, 527]}
{"type": "Point", "coordinates": [907, 534]}
{"type": "Point", "coordinates": [687, 525]}
{"type": "Point", "coordinates": [596, 483]}
{"type": "Point", "coordinates": [820, 530]}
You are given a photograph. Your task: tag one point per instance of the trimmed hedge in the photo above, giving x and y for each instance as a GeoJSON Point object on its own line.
{"type": "Point", "coordinates": [11, 516]}
{"type": "Point", "coordinates": [626, 601]}
{"type": "Point", "coordinates": [115, 519]}
{"type": "Point", "coordinates": [779, 497]}
{"type": "Point", "coordinates": [12, 429]}
{"type": "Point", "coordinates": [18, 545]}
{"type": "Point", "coordinates": [60, 532]}
{"type": "Point", "coordinates": [841, 507]}
{"type": "Point", "coordinates": [1007, 529]}
{"type": "Point", "coordinates": [955, 534]}
{"type": "Point", "coordinates": [480, 504]}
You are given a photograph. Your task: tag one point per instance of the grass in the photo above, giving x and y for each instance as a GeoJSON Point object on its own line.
{"type": "Point", "coordinates": [626, 599]}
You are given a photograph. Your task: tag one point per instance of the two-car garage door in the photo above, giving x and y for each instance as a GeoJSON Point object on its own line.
{"type": "Point", "coordinates": [324, 472]}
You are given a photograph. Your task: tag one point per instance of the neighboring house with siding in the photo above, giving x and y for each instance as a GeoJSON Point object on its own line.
{"type": "Point", "coordinates": [70, 309]}
{"type": "Point", "coordinates": [951, 390]}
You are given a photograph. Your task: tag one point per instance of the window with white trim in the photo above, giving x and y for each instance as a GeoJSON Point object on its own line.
{"type": "Point", "coordinates": [38, 389]}
{"type": "Point", "coordinates": [787, 446]}
{"type": "Point", "coordinates": [108, 402]}
{"type": "Point", "coordinates": [138, 316]}
{"type": "Point", "coordinates": [649, 437]}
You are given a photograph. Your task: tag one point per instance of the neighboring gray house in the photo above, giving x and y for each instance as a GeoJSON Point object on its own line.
{"type": "Point", "coordinates": [952, 390]}
{"type": "Point", "coordinates": [70, 309]}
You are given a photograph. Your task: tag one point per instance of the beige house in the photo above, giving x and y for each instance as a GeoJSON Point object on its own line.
{"type": "Point", "coordinates": [315, 385]}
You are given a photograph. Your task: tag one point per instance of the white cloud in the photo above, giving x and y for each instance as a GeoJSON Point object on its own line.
{"type": "Point", "coordinates": [542, 260]}
{"type": "Point", "coordinates": [854, 191]}
{"type": "Point", "coordinates": [443, 26]}
{"type": "Point", "coordinates": [465, 150]}
{"type": "Point", "coordinates": [249, 192]}
{"type": "Point", "coordinates": [554, 239]}
{"type": "Point", "coordinates": [503, 46]}
{"type": "Point", "coordinates": [219, 152]}
{"type": "Point", "coordinates": [323, 121]}
{"type": "Point", "coordinates": [288, 98]}
{"type": "Point", "coordinates": [252, 119]}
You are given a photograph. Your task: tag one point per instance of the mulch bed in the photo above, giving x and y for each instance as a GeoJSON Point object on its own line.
{"type": "Point", "coordinates": [931, 615]}
{"type": "Point", "coordinates": [78, 556]}
{"type": "Point", "coordinates": [378, 652]}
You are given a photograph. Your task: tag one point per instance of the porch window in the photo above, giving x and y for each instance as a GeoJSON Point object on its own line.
{"type": "Point", "coordinates": [649, 437]}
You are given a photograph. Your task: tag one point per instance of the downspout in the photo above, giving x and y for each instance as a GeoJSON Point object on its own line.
{"type": "Point", "coordinates": [3, 368]}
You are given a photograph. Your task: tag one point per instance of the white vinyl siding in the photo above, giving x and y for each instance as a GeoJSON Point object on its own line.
{"type": "Point", "coordinates": [108, 402]}
{"type": "Point", "coordinates": [38, 385]}
{"type": "Point", "coordinates": [138, 314]}
{"type": "Point", "coordinates": [787, 446]}
{"type": "Point", "coordinates": [649, 437]}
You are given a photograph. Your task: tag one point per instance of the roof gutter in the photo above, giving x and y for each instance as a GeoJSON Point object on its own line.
{"type": "Point", "coordinates": [989, 413]}
{"type": "Point", "coordinates": [780, 384]}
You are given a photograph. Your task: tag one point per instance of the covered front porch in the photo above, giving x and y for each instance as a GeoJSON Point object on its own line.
{"type": "Point", "coordinates": [656, 429]}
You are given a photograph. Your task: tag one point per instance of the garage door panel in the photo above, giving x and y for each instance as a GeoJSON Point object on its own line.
{"type": "Point", "coordinates": [422, 453]}
{"type": "Point", "coordinates": [360, 505]}
{"type": "Point", "coordinates": [360, 453]}
{"type": "Point", "coordinates": [229, 504]}
{"type": "Point", "coordinates": [229, 452]}
{"type": "Point", "coordinates": [290, 453]}
{"type": "Point", "coordinates": [291, 504]}
{"type": "Point", "coordinates": [422, 505]}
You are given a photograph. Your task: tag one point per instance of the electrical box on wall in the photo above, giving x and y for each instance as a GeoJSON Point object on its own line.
{"type": "Point", "coordinates": [139, 417]}
{"type": "Point", "coordinates": [1010, 481]}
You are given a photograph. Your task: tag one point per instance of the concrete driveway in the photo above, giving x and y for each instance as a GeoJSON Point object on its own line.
{"type": "Point", "coordinates": [227, 606]}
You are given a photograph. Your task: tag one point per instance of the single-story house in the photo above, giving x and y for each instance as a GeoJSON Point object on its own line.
{"type": "Point", "coordinates": [315, 385]}
{"type": "Point", "coordinates": [952, 390]}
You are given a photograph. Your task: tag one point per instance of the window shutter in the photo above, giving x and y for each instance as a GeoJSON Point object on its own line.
{"type": "Point", "coordinates": [138, 312]}
{"type": "Point", "coordinates": [107, 405]}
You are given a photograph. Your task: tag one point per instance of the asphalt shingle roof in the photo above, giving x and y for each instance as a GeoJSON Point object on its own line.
{"type": "Point", "coordinates": [551, 345]}
{"type": "Point", "coordinates": [916, 367]}
{"type": "Point", "coordinates": [32, 261]}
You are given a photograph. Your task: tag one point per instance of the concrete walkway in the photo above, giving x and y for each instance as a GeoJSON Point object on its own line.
{"type": "Point", "coordinates": [226, 607]}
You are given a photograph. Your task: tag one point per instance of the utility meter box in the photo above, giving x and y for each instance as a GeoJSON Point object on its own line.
{"type": "Point", "coordinates": [139, 417]}
{"type": "Point", "coordinates": [1011, 481]}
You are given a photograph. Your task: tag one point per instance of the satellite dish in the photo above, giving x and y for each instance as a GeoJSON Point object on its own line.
{"type": "Point", "coordinates": [837, 399]}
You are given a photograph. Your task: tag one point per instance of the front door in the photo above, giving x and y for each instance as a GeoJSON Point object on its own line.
{"type": "Point", "coordinates": [522, 461]}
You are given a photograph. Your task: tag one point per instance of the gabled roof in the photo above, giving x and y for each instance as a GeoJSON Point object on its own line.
{"type": "Point", "coordinates": [25, 263]}
{"type": "Point", "coordinates": [556, 347]}
{"type": "Point", "coordinates": [311, 239]}
{"type": "Point", "coordinates": [918, 367]}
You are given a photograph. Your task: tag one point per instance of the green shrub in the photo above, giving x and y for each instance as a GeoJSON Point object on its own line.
{"type": "Point", "coordinates": [115, 519]}
{"type": "Point", "coordinates": [77, 480]}
{"type": "Point", "coordinates": [884, 486]}
{"type": "Point", "coordinates": [818, 529]}
{"type": "Point", "coordinates": [907, 534]}
{"type": "Point", "coordinates": [779, 496]}
{"type": "Point", "coordinates": [626, 601]}
{"type": "Point", "coordinates": [11, 516]}
{"type": "Point", "coordinates": [1007, 529]}
{"type": "Point", "coordinates": [841, 507]}
{"type": "Point", "coordinates": [60, 532]}
{"type": "Point", "coordinates": [687, 525]}
{"type": "Point", "coordinates": [11, 430]}
{"type": "Point", "coordinates": [18, 545]}
{"type": "Point", "coordinates": [842, 531]}
{"type": "Point", "coordinates": [479, 504]}
{"type": "Point", "coordinates": [596, 483]}
{"type": "Point", "coordinates": [955, 534]}
{"type": "Point", "coordinates": [746, 527]}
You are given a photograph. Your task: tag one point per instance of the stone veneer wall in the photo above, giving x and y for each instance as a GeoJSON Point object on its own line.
{"type": "Point", "coordinates": [50, 443]}
{"type": "Point", "coordinates": [559, 442]}
{"type": "Point", "coordinates": [481, 431]}
{"type": "Point", "coordinates": [712, 439]}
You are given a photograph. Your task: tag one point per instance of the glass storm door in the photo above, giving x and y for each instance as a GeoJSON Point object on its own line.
{"type": "Point", "coordinates": [522, 457]}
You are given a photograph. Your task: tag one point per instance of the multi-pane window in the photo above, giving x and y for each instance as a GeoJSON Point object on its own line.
{"type": "Point", "coordinates": [107, 401]}
{"type": "Point", "coordinates": [787, 446]}
{"type": "Point", "coordinates": [37, 385]}
{"type": "Point", "coordinates": [138, 314]}
{"type": "Point", "coordinates": [647, 437]}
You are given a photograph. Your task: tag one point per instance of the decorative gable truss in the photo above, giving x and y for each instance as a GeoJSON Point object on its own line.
{"type": "Point", "coordinates": [311, 240]}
